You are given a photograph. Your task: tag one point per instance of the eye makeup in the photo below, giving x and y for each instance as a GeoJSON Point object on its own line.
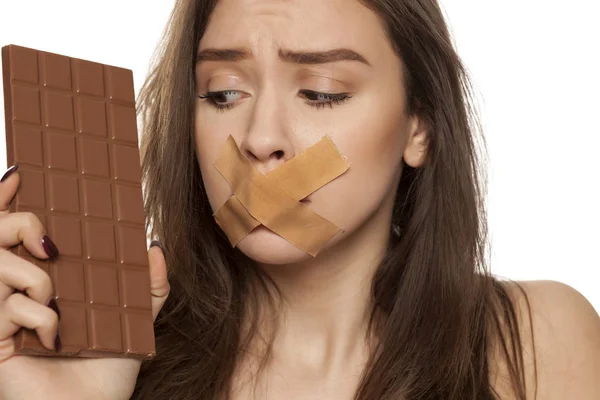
{"type": "Point", "coordinates": [318, 100]}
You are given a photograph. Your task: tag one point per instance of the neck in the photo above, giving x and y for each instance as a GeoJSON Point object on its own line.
{"type": "Point", "coordinates": [327, 303]}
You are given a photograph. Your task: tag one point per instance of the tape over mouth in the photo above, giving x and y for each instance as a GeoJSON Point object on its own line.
{"type": "Point", "coordinates": [274, 200]}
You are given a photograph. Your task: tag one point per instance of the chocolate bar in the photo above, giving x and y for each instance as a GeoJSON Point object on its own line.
{"type": "Point", "coordinates": [71, 128]}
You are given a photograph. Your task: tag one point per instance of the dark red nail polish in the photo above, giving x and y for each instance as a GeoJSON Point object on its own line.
{"type": "Point", "coordinates": [49, 247]}
{"type": "Point", "coordinates": [54, 306]}
{"type": "Point", "coordinates": [156, 243]}
{"type": "Point", "coordinates": [57, 344]}
{"type": "Point", "coordinates": [9, 172]}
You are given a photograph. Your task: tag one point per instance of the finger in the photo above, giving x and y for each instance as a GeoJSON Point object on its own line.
{"type": "Point", "coordinates": [7, 348]}
{"type": "Point", "coordinates": [8, 188]}
{"type": "Point", "coordinates": [17, 273]}
{"type": "Point", "coordinates": [27, 228]}
{"type": "Point", "coordinates": [159, 284]}
{"type": "Point", "coordinates": [20, 311]}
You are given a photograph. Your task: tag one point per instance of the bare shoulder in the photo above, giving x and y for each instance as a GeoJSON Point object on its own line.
{"type": "Point", "coordinates": [566, 339]}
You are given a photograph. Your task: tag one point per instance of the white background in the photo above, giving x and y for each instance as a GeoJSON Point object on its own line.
{"type": "Point", "coordinates": [535, 67]}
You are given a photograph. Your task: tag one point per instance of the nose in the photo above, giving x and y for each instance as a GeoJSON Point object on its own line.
{"type": "Point", "coordinates": [265, 150]}
{"type": "Point", "coordinates": [267, 141]}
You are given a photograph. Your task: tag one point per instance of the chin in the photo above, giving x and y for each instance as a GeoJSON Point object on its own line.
{"type": "Point", "coordinates": [265, 246]}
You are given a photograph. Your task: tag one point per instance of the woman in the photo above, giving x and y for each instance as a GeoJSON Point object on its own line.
{"type": "Point", "coordinates": [399, 303]}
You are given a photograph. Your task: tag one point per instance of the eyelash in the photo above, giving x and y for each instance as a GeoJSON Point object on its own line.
{"type": "Point", "coordinates": [331, 99]}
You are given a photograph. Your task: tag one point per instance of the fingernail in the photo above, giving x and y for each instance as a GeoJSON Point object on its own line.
{"type": "Point", "coordinates": [156, 243]}
{"type": "Point", "coordinates": [49, 247]}
{"type": "Point", "coordinates": [57, 344]}
{"type": "Point", "coordinates": [9, 172]}
{"type": "Point", "coordinates": [54, 306]}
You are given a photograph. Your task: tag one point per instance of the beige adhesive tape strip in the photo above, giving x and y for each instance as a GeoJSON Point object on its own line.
{"type": "Point", "coordinates": [235, 220]}
{"type": "Point", "coordinates": [308, 171]}
{"type": "Point", "coordinates": [273, 200]}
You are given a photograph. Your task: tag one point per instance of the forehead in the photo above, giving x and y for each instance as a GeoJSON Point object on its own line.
{"type": "Point", "coordinates": [296, 25]}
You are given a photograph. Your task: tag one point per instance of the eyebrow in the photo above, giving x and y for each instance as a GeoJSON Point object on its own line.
{"type": "Point", "coordinates": [295, 57]}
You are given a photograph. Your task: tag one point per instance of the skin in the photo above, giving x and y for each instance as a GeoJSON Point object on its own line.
{"type": "Point", "coordinates": [320, 341]}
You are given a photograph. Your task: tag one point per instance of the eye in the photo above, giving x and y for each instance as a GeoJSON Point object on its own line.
{"type": "Point", "coordinates": [226, 99]}
{"type": "Point", "coordinates": [222, 100]}
{"type": "Point", "coordinates": [320, 100]}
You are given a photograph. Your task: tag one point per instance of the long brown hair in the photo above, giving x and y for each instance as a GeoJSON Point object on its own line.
{"type": "Point", "coordinates": [442, 308]}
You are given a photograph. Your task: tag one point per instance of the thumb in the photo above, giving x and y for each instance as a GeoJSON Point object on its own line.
{"type": "Point", "coordinates": [159, 284]}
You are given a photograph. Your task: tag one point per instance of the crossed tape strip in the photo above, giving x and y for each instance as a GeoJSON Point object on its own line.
{"type": "Point", "coordinates": [273, 200]}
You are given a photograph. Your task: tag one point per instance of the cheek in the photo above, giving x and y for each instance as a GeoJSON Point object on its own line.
{"type": "Point", "coordinates": [208, 144]}
{"type": "Point", "coordinates": [374, 149]}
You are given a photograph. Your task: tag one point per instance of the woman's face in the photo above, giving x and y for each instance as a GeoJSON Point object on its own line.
{"type": "Point", "coordinates": [276, 108]}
